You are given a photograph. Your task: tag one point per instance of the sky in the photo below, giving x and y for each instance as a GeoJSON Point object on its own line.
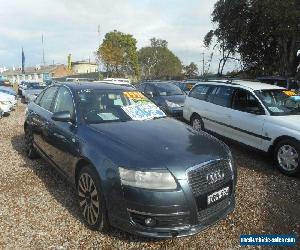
{"type": "Point", "coordinates": [71, 26]}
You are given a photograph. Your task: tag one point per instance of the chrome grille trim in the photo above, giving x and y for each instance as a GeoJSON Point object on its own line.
{"type": "Point", "coordinates": [197, 176]}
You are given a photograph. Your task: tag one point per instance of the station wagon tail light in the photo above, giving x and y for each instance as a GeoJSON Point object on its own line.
{"type": "Point", "coordinates": [159, 180]}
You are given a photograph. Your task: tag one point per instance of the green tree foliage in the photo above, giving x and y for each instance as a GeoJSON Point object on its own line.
{"type": "Point", "coordinates": [191, 70]}
{"type": "Point", "coordinates": [263, 32]}
{"type": "Point", "coordinates": [118, 52]}
{"type": "Point", "coordinates": [158, 62]}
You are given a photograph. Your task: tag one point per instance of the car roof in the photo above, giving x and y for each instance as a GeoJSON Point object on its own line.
{"type": "Point", "coordinates": [95, 85]}
{"type": "Point", "coordinates": [243, 84]}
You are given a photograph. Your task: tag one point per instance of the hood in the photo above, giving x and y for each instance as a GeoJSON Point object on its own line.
{"type": "Point", "coordinates": [162, 143]}
{"type": "Point", "coordinates": [287, 121]}
{"type": "Point", "coordinates": [6, 97]}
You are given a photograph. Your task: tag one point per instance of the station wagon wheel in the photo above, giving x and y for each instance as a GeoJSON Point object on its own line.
{"type": "Point", "coordinates": [30, 150]}
{"type": "Point", "coordinates": [91, 199]}
{"type": "Point", "coordinates": [197, 123]}
{"type": "Point", "coordinates": [287, 155]}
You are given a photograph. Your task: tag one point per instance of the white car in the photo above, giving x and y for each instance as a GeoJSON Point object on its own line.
{"type": "Point", "coordinates": [259, 115]}
{"type": "Point", "coordinates": [7, 102]}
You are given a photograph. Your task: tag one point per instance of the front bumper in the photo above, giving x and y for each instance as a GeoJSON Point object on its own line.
{"type": "Point", "coordinates": [176, 213]}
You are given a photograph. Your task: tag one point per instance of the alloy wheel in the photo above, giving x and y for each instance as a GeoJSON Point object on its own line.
{"type": "Point", "coordinates": [288, 158]}
{"type": "Point", "coordinates": [88, 199]}
{"type": "Point", "coordinates": [197, 125]}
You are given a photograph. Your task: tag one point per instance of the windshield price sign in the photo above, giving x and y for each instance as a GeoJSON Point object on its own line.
{"type": "Point", "coordinates": [143, 112]}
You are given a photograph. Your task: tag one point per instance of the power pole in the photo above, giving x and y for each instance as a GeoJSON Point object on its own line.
{"type": "Point", "coordinates": [43, 60]}
{"type": "Point", "coordinates": [202, 63]}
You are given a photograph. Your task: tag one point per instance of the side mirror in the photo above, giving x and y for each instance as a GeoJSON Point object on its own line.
{"type": "Point", "coordinates": [63, 116]}
{"type": "Point", "coordinates": [149, 94]}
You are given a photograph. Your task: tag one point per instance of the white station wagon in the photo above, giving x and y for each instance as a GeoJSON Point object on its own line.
{"type": "Point", "coordinates": [259, 115]}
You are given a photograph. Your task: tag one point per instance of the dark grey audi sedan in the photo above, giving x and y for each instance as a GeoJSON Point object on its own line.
{"type": "Point", "coordinates": [133, 167]}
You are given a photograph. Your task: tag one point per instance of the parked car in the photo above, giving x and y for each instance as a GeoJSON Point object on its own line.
{"type": "Point", "coordinates": [116, 82]}
{"type": "Point", "coordinates": [284, 82]}
{"type": "Point", "coordinates": [259, 115]}
{"type": "Point", "coordinates": [8, 90]}
{"type": "Point", "coordinates": [32, 91]}
{"type": "Point", "coordinates": [166, 95]}
{"type": "Point", "coordinates": [5, 83]}
{"type": "Point", "coordinates": [24, 85]}
{"type": "Point", "coordinates": [7, 102]}
{"type": "Point", "coordinates": [1, 112]}
{"type": "Point", "coordinates": [186, 85]}
{"type": "Point", "coordinates": [133, 167]}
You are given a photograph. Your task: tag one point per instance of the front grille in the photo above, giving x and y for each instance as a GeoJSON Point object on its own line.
{"type": "Point", "coordinates": [218, 208]}
{"type": "Point", "coordinates": [198, 181]}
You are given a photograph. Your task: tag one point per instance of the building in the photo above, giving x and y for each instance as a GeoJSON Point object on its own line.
{"type": "Point", "coordinates": [81, 67]}
{"type": "Point", "coordinates": [38, 73]}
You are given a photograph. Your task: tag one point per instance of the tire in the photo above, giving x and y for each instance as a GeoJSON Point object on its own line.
{"type": "Point", "coordinates": [287, 157]}
{"type": "Point", "coordinates": [197, 123]}
{"type": "Point", "coordinates": [91, 199]}
{"type": "Point", "coordinates": [30, 150]}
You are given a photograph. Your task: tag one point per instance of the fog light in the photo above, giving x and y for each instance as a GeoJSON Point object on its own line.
{"type": "Point", "coordinates": [150, 222]}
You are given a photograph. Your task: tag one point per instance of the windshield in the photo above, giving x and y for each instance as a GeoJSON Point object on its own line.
{"type": "Point", "coordinates": [99, 106]}
{"type": "Point", "coordinates": [168, 89]}
{"type": "Point", "coordinates": [280, 101]}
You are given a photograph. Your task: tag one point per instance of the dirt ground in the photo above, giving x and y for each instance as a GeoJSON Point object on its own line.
{"type": "Point", "coordinates": [38, 209]}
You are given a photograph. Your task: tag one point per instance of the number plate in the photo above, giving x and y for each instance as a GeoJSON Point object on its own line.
{"type": "Point", "coordinates": [218, 195]}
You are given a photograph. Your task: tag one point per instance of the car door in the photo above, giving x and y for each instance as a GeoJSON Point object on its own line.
{"type": "Point", "coordinates": [41, 116]}
{"type": "Point", "coordinates": [63, 142]}
{"type": "Point", "coordinates": [216, 116]}
{"type": "Point", "coordinates": [196, 101]}
{"type": "Point", "coordinates": [247, 118]}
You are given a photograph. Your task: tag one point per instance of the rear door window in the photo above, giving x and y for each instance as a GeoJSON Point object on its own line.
{"type": "Point", "coordinates": [47, 98]}
{"type": "Point", "coordinates": [221, 95]}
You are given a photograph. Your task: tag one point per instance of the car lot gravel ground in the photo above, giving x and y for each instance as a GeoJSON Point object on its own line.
{"type": "Point", "coordinates": [38, 210]}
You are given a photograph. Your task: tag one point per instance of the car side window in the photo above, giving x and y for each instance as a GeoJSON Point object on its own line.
{"type": "Point", "coordinates": [199, 92]}
{"type": "Point", "coordinates": [244, 101]}
{"type": "Point", "coordinates": [221, 95]}
{"type": "Point", "coordinates": [47, 98]}
{"type": "Point", "coordinates": [64, 101]}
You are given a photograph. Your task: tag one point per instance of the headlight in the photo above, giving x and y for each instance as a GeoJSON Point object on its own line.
{"type": "Point", "coordinates": [172, 104]}
{"type": "Point", "coordinates": [148, 180]}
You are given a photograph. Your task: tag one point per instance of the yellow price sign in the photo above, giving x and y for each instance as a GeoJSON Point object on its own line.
{"type": "Point", "coordinates": [290, 93]}
{"type": "Point", "coordinates": [134, 95]}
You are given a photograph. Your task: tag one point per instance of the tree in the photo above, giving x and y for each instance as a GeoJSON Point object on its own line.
{"type": "Point", "coordinates": [118, 53]}
{"type": "Point", "coordinates": [158, 62]}
{"type": "Point", "coordinates": [263, 32]}
{"type": "Point", "coordinates": [191, 70]}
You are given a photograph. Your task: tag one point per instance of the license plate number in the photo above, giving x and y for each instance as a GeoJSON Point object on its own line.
{"type": "Point", "coordinates": [218, 195]}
